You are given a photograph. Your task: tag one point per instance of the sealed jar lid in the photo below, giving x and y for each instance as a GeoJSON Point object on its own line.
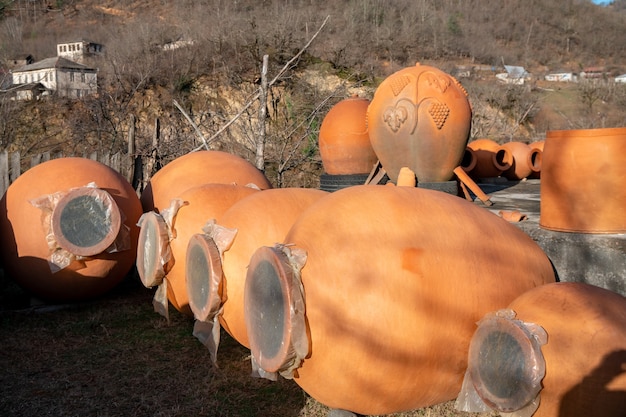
{"type": "Point", "coordinates": [153, 252]}
{"type": "Point", "coordinates": [203, 276]}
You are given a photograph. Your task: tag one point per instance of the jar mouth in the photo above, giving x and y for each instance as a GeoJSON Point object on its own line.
{"type": "Point", "coordinates": [267, 301]}
{"type": "Point", "coordinates": [152, 247]}
{"type": "Point", "coordinates": [535, 158]}
{"type": "Point", "coordinates": [502, 159]}
{"type": "Point", "coordinates": [86, 221]}
{"type": "Point", "coordinates": [203, 276]}
{"type": "Point", "coordinates": [505, 365]}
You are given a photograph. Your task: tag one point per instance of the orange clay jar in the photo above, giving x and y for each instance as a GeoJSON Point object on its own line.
{"type": "Point", "coordinates": [420, 118]}
{"type": "Point", "coordinates": [535, 159]}
{"type": "Point", "coordinates": [198, 168]}
{"type": "Point", "coordinates": [344, 143]}
{"type": "Point", "coordinates": [584, 355]}
{"type": "Point", "coordinates": [378, 289]}
{"type": "Point", "coordinates": [91, 228]}
{"type": "Point", "coordinates": [520, 168]}
{"type": "Point", "coordinates": [163, 241]}
{"type": "Point", "coordinates": [582, 181]}
{"type": "Point", "coordinates": [491, 159]}
{"type": "Point", "coordinates": [260, 219]}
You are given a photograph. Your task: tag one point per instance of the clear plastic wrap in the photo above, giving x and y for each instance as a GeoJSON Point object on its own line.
{"type": "Point", "coordinates": [505, 367]}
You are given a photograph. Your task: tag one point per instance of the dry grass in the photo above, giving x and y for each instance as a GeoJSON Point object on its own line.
{"type": "Point", "coordinates": [115, 357]}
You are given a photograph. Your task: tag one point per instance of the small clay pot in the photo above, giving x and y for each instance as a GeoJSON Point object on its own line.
{"type": "Point", "coordinates": [520, 167]}
{"type": "Point", "coordinates": [371, 302]}
{"type": "Point", "coordinates": [583, 355]}
{"type": "Point", "coordinates": [491, 159]}
{"type": "Point", "coordinates": [198, 168]}
{"type": "Point", "coordinates": [344, 142]}
{"type": "Point", "coordinates": [65, 239]}
{"type": "Point", "coordinates": [420, 118]}
{"type": "Point", "coordinates": [259, 219]}
{"type": "Point", "coordinates": [201, 204]}
{"type": "Point", "coordinates": [535, 159]}
{"type": "Point", "coordinates": [582, 181]}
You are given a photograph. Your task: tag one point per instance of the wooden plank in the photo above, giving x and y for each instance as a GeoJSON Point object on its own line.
{"type": "Point", "coordinates": [4, 171]}
{"type": "Point", "coordinates": [16, 169]}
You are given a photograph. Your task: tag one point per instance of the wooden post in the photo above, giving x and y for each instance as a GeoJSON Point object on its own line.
{"type": "Point", "coordinates": [4, 171]}
{"type": "Point", "coordinates": [15, 170]}
{"type": "Point", "coordinates": [260, 140]}
{"type": "Point", "coordinates": [131, 150]}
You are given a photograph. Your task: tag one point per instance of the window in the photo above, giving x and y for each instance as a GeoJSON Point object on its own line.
{"type": "Point", "coordinates": [82, 77]}
{"type": "Point", "coordinates": [71, 76]}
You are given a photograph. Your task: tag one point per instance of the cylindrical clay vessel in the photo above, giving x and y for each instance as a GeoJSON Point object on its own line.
{"type": "Point", "coordinates": [198, 168]}
{"type": "Point", "coordinates": [202, 203]}
{"type": "Point", "coordinates": [584, 355]}
{"type": "Point", "coordinates": [420, 118]}
{"type": "Point", "coordinates": [582, 181]}
{"type": "Point", "coordinates": [53, 219]}
{"type": "Point", "coordinates": [393, 283]}
{"type": "Point", "coordinates": [491, 159]}
{"type": "Point", "coordinates": [260, 219]}
{"type": "Point", "coordinates": [344, 142]}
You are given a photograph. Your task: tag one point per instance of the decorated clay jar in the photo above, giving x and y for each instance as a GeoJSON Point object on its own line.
{"type": "Point", "coordinates": [491, 159]}
{"type": "Point", "coordinates": [559, 349]}
{"type": "Point", "coordinates": [164, 237]}
{"type": "Point", "coordinates": [535, 159]}
{"type": "Point", "coordinates": [69, 229]}
{"type": "Point", "coordinates": [198, 168]}
{"type": "Point", "coordinates": [344, 143]}
{"type": "Point", "coordinates": [582, 181]}
{"type": "Point", "coordinates": [520, 167]}
{"type": "Point", "coordinates": [216, 268]}
{"type": "Point", "coordinates": [370, 303]}
{"type": "Point", "coordinates": [420, 118]}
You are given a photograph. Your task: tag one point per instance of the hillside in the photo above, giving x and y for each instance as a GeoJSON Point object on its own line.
{"type": "Point", "coordinates": [215, 75]}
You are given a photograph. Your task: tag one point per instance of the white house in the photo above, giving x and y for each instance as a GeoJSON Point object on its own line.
{"type": "Point", "coordinates": [513, 75]}
{"type": "Point", "coordinates": [561, 77]}
{"type": "Point", "coordinates": [77, 51]}
{"type": "Point", "coordinates": [620, 78]}
{"type": "Point", "coordinates": [64, 77]}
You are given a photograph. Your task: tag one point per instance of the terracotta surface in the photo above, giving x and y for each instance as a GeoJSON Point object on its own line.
{"type": "Point", "coordinates": [586, 351]}
{"type": "Point", "coordinates": [25, 252]}
{"type": "Point", "coordinates": [420, 118]}
{"type": "Point", "coordinates": [520, 167]}
{"type": "Point", "coordinates": [491, 159]}
{"type": "Point", "coordinates": [535, 158]}
{"type": "Point", "coordinates": [260, 219]}
{"type": "Point", "coordinates": [198, 168]}
{"type": "Point", "coordinates": [204, 202]}
{"type": "Point", "coordinates": [583, 181]}
{"type": "Point", "coordinates": [394, 280]}
{"type": "Point", "coordinates": [344, 142]}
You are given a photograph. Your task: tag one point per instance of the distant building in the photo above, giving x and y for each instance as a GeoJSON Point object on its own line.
{"type": "Point", "coordinates": [20, 61]}
{"type": "Point", "coordinates": [59, 75]}
{"type": "Point", "coordinates": [78, 51]}
{"type": "Point", "coordinates": [593, 72]}
{"type": "Point", "coordinates": [620, 78]}
{"type": "Point", "coordinates": [513, 75]}
{"type": "Point", "coordinates": [561, 76]}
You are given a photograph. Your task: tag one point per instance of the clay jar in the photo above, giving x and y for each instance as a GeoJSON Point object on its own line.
{"type": "Point", "coordinates": [344, 143]}
{"type": "Point", "coordinates": [535, 159]}
{"type": "Point", "coordinates": [201, 204]}
{"type": "Point", "coordinates": [584, 355]}
{"type": "Point", "coordinates": [582, 181]}
{"type": "Point", "coordinates": [91, 227]}
{"type": "Point", "coordinates": [198, 168]}
{"type": "Point", "coordinates": [420, 118]}
{"type": "Point", "coordinates": [393, 282]}
{"type": "Point", "coordinates": [259, 219]}
{"type": "Point", "coordinates": [491, 159]}
{"type": "Point", "coordinates": [520, 167]}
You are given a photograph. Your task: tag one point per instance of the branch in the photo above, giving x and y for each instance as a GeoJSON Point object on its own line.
{"type": "Point", "coordinates": [195, 126]}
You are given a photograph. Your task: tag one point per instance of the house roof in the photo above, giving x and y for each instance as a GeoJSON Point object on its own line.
{"type": "Point", "coordinates": [55, 62]}
{"type": "Point", "coordinates": [515, 72]}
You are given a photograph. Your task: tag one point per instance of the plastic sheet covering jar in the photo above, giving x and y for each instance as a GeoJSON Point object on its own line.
{"type": "Point", "coordinates": [198, 168]}
{"type": "Point", "coordinates": [68, 229]}
{"type": "Point", "coordinates": [420, 118]}
{"type": "Point", "coordinates": [582, 181]}
{"type": "Point", "coordinates": [584, 355]}
{"type": "Point", "coordinates": [216, 267]}
{"type": "Point", "coordinates": [392, 281]}
{"type": "Point", "coordinates": [163, 239]}
{"type": "Point", "coordinates": [344, 143]}
{"type": "Point", "coordinates": [491, 159]}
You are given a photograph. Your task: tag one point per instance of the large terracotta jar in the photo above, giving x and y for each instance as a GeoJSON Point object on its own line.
{"type": "Point", "coordinates": [198, 168]}
{"type": "Point", "coordinates": [164, 237]}
{"type": "Point", "coordinates": [491, 159]}
{"type": "Point", "coordinates": [420, 118]}
{"type": "Point", "coordinates": [577, 369]}
{"type": "Point", "coordinates": [371, 302]}
{"type": "Point", "coordinates": [69, 229]}
{"type": "Point", "coordinates": [216, 267]}
{"type": "Point", "coordinates": [520, 167]}
{"type": "Point", "coordinates": [535, 158]}
{"type": "Point", "coordinates": [582, 181]}
{"type": "Point", "coordinates": [344, 142]}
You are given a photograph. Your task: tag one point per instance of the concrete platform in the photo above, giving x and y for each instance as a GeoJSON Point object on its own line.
{"type": "Point", "coordinates": [597, 259]}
